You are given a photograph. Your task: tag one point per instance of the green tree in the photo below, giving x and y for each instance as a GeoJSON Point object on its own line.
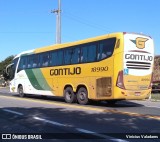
{"type": "Point", "coordinates": [4, 63]}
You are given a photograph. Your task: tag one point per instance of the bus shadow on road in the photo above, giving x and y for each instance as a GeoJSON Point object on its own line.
{"type": "Point", "coordinates": [66, 120]}
{"type": "Point", "coordinates": [119, 104]}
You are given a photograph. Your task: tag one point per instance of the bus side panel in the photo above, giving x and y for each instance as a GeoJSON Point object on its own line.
{"type": "Point", "coordinates": [21, 78]}
{"type": "Point", "coordinates": [35, 82]}
{"type": "Point", "coordinates": [98, 77]}
{"type": "Point", "coordinates": [72, 81]}
{"type": "Point", "coordinates": [118, 66]}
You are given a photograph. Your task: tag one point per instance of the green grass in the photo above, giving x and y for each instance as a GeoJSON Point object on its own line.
{"type": "Point", "coordinates": [155, 96]}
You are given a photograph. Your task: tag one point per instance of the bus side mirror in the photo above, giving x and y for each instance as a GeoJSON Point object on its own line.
{"type": "Point", "coordinates": [7, 72]}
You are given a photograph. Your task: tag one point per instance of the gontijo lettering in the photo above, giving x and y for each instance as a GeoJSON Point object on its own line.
{"type": "Point", "coordinates": [138, 57]}
{"type": "Point", "coordinates": [65, 71]}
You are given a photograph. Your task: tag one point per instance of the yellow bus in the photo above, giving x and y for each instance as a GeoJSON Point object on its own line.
{"type": "Point", "coordinates": [110, 67]}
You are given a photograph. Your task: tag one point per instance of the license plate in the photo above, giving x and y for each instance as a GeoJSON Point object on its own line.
{"type": "Point", "coordinates": [137, 93]}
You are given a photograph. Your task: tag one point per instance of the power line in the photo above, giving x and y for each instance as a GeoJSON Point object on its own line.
{"type": "Point", "coordinates": [85, 22]}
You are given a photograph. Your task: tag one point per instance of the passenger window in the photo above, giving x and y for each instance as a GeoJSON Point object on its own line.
{"type": "Point", "coordinates": [30, 61]}
{"type": "Point", "coordinates": [35, 61]}
{"type": "Point", "coordinates": [75, 57]}
{"type": "Point", "coordinates": [57, 57]}
{"type": "Point", "coordinates": [54, 58]}
{"type": "Point", "coordinates": [45, 58]}
{"type": "Point", "coordinates": [92, 53]}
{"type": "Point", "coordinates": [83, 57]}
{"type": "Point", "coordinates": [67, 56]}
{"type": "Point", "coordinates": [106, 48]}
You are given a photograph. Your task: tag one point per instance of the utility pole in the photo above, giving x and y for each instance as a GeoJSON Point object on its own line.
{"type": "Point", "coordinates": [58, 22]}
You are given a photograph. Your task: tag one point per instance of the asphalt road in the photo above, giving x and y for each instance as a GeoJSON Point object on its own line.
{"type": "Point", "coordinates": [73, 122]}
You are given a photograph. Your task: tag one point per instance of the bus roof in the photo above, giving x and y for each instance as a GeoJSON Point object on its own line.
{"type": "Point", "coordinates": [25, 53]}
{"type": "Point", "coordinates": [63, 45]}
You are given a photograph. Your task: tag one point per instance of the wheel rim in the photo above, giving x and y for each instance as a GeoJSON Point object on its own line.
{"type": "Point", "coordinates": [21, 91]}
{"type": "Point", "coordinates": [82, 96]}
{"type": "Point", "coordinates": [68, 95]}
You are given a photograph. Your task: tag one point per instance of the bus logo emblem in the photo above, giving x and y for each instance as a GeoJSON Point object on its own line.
{"type": "Point", "coordinates": [140, 42]}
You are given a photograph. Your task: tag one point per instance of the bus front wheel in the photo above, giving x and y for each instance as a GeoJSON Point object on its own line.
{"type": "Point", "coordinates": [82, 96]}
{"type": "Point", "coordinates": [20, 91]}
{"type": "Point", "coordinates": [69, 95]}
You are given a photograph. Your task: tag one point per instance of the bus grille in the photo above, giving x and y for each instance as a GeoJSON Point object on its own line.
{"type": "Point", "coordinates": [104, 87]}
{"type": "Point", "coordinates": [138, 65]}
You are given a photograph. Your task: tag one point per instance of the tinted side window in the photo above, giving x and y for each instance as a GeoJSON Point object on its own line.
{"type": "Point", "coordinates": [106, 48]}
{"type": "Point", "coordinates": [84, 54]}
{"type": "Point", "coordinates": [57, 57]}
{"type": "Point", "coordinates": [44, 59]}
{"type": "Point", "coordinates": [35, 61]}
{"type": "Point", "coordinates": [30, 61]}
{"type": "Point", "coordinates": [22, 63]}
{"type": "Point", "coordinates": [67, 56]}
{"type": "Point", "coordinates": [75, 57]}
{"type": "Point", "coordinates": [92, 53]}
{"type": "Point", "coordinates": [54, 58]}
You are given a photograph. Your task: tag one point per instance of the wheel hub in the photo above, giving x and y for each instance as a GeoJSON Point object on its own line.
{"type": "Point", "coordinates": [82, 96]}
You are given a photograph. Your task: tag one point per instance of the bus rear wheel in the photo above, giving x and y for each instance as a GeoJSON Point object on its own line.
{"type": "Point", "coordinates": [69, 95]}
{"type": "Point", "coordinates": [82, 96]}
{"type": "Point", "coordinates": [20, 91]}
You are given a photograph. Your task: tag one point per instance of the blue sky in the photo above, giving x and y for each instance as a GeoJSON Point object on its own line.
{"type": "Point", "coordinates": [29, 24]}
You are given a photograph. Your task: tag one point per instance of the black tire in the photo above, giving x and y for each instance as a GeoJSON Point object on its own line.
{"type": "Point", "coordinates": [20, 91]}
{"type": "Point", "coordinates": [82, 96]}
{"type": "Point", "coordinates": [69, 95]}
